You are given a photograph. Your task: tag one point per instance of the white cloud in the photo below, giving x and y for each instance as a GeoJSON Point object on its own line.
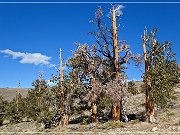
{"type": "Point", "coordinates": [28, 58]}
{"type": "Point", "coordinates": [118, 10]}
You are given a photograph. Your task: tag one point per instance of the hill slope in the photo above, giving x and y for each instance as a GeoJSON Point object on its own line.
{"type": "Point", "coordinates": [10, 93]}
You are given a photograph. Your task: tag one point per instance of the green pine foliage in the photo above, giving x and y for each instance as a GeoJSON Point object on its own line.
{"type": "Point", "coordinates": [3, 109]}
{"type": "Point", "coordinates": [39, 100]}
{"type": "Point", "coordinates": [132, 88]}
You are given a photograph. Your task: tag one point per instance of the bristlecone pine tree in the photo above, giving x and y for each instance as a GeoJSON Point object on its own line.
{"type": "Point", "coordinates": [161, 72]}
{"type": "Point", "coordinates": [114, 52]}
{"type": "Point", "coordinates": [104, 62]}
{"type": "Point", "coordinates": [85, 64]}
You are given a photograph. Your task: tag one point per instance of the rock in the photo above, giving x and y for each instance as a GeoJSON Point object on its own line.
{"type": "Point", "coordinates": [6, 122]}
{"type": "Point", "coordinates": [42, 125]}
{"type": "Point", "coordinates": [151, 119]}
{"type": "Point", "coordinates": [25, 119]}
{"type": "Point", "coordinates": [154, 129]}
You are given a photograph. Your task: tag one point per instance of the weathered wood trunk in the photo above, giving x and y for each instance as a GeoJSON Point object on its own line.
{"type": "Point", "coordinates": [149, 106]}
{"type": "Point", "coordinates": [114, 111]}
{"type": "Point", "coordinates": [115, 44]}
{"type": "Point", "coordinates": [116, 106]}
{"type": "Point", "coordinates": [64, 115]}
{"type": "Point", "coordinates": [151, 113]}
{"type": "Point", "coordinates": [93, 104]}
{"type": "Point", "coordinates": [94, 113]}
{"type": "Point", "coordinates": [149, 110]}
{"type": "Point", "coordinates": [118, 111]}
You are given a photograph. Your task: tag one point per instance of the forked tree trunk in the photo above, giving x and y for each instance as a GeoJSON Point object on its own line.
{"type": "Point", "coordinates": [149, 106]}
{"type": "Point", "coordinates": [116, 106]}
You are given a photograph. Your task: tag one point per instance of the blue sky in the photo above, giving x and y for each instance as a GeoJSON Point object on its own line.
{"type": "Point", "coordinates": [31, 32]}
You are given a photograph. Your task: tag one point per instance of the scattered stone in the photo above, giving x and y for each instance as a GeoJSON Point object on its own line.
{"type": "Point", "coordinates": [6, 122]}
{"type": "Point", "coordinates": [154, 129]}
{"type": "Point", "coordinates": [25, 119]}
{"type": "Point", "coordinates": [151, 119]}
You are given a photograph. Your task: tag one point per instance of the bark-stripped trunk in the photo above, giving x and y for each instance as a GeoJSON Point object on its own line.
{"type": "Point", "coordinates": [64, 115]}
{"type": "Point", "coordinates": [115, 45]}
{"type": "Point", "coordinates": [61, 68]}
{"type": "Point", "coordinates": [116, 106]}
{"type": "Point", "coordinates": [149, 106]}
{"type": "Point", "coordinates": [93, 104]}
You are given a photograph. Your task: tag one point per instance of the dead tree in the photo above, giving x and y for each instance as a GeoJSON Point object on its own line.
{"type": "Point", "coordinates": [63, 111]}
{"type": "Point", "coordinates": [116, 105]}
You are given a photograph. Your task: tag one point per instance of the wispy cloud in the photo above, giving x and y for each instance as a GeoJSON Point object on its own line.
{"type": "Point", "coordinates": [118, 11]}
{"type": "Point", "coordinates": [28, 58]}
